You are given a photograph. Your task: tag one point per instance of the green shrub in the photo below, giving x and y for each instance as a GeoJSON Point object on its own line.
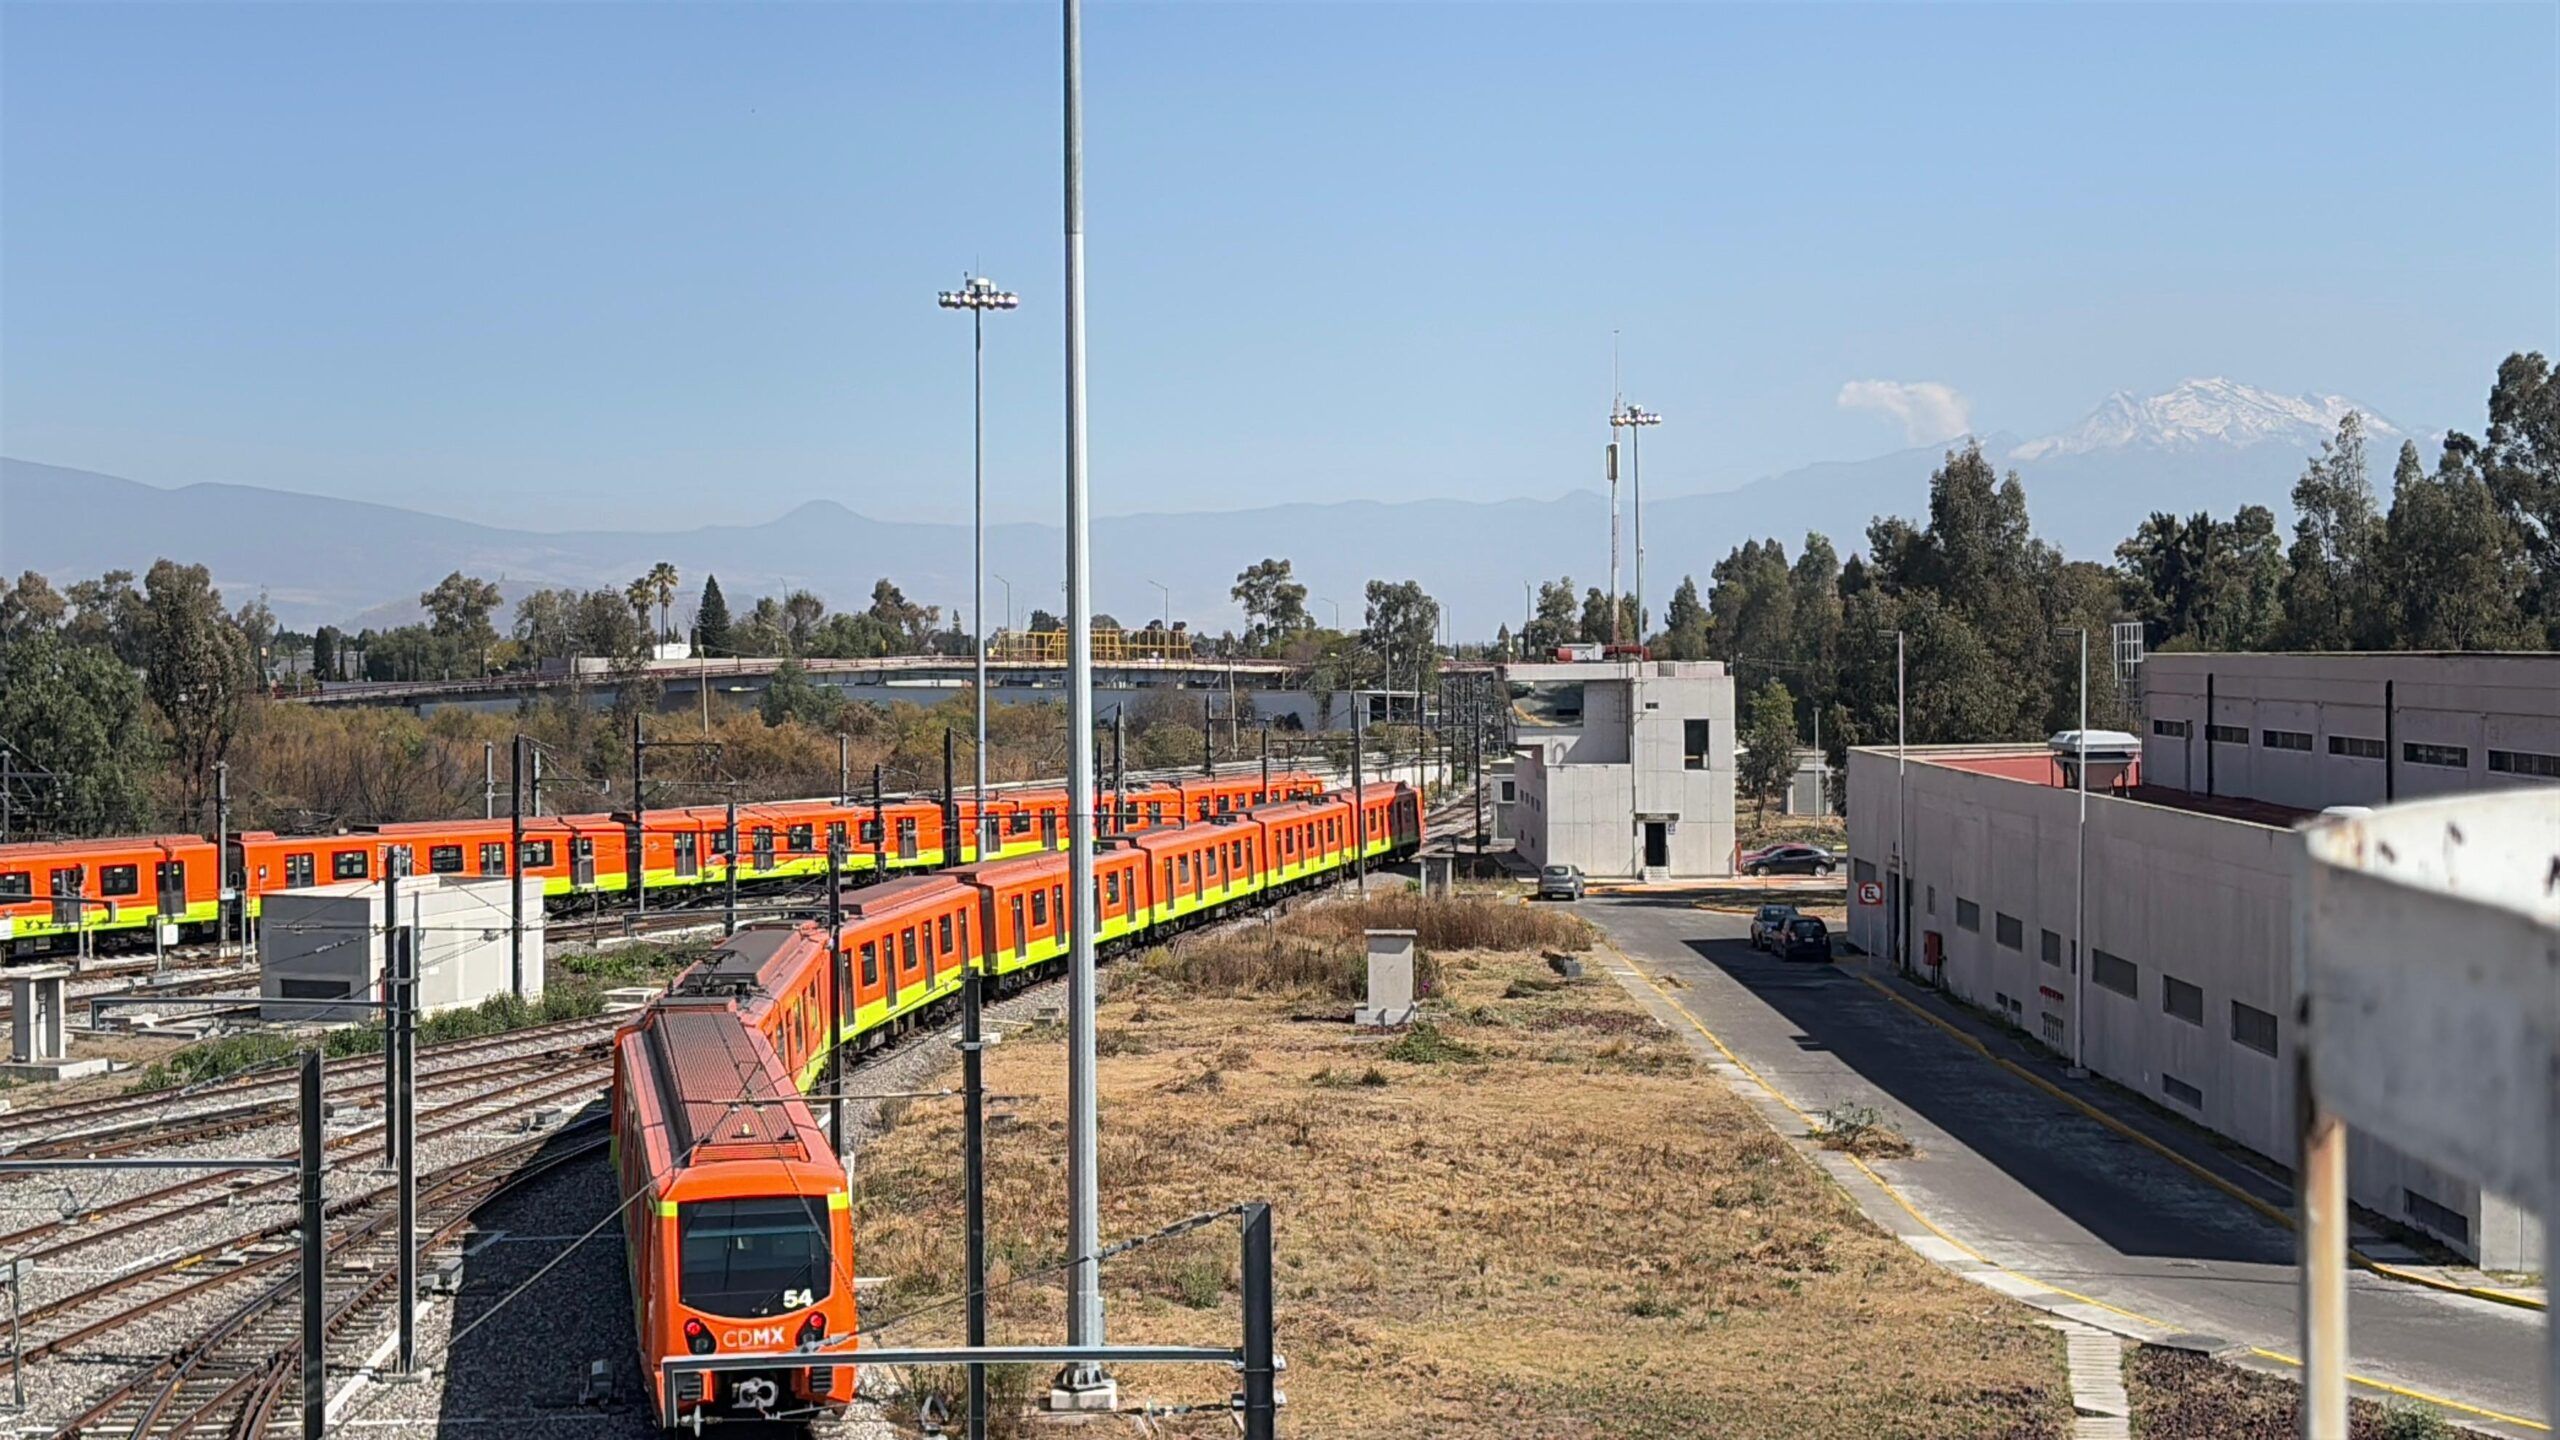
{"type": "Point", "coordinates": [1424, 1044]}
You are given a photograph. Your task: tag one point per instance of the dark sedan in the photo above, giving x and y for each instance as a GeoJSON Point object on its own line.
{"type": "Point", "coordinates": [1790, 860]}
{"type": "Point", "coordinates": [1806, 939]}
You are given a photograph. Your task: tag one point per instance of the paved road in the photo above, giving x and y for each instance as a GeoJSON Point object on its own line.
{"type": "Point", "coordinates": [2044, 1191]}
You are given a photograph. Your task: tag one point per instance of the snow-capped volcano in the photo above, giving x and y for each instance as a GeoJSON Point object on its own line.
{"type": "Point", "coordinates": [2206, 412]}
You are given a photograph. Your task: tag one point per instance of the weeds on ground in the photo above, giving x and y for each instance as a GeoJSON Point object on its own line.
{"type": "Point", "coordinates": [1427, 1044]}
{"type": "Point", "coordinates": [640, 963]}
{"type": "Point", "coordinates": [941, 1393]}
{"type": "Point", "coordinates": [1860, 1130]}
{"type": "Point", "coordinates": [257, 1050]}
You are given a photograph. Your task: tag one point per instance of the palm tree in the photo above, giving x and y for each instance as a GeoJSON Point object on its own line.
{"type": "Point", "coordinates": [662, 581]}
{"type": "Point", "coordinates": [640, 595]}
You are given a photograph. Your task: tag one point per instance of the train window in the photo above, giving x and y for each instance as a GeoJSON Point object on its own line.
{"type": "Point", "coordinates": [1018, 823]}
{"type": "Point", "coordinates": [493, 858]}
{"type": "Point", "coordinates": [754, 1258]}
{"type": "Point", "coordinates": [537, 854]}
{"type": "Point", "coordinates": [17, 883]}
{"type": "Point", "coordinates": [870, 963]}
{"type": "Point", "coordinates": [803, 837]}
{"type": "Point", "coordinates": [907, 948]}
{"type": "Point", "coordinates": [1111, 889]}
{"type": "Point", "coordinates": [116, 880]}
{"type": "Point", "coordinates": [347, 865]}
{"type": "Point", "coordinates": [1181, 869]}
{"type": "Point", "coordinates": [444, 859]}
{"type": "Point", "coordinates": [870, 832]}
{"type": "Point", "coordinates": [1222, 804]}
{"type": "Point", "coordinates": [945, 946]}
{"type": "Point", "coordinates": [299, 870]}
{"type": "Point", "coordinates": [1155, 812]}
{"type": "Point", "coordinates": [1058, 902]}
{"type": "Point", "coordinates": [1040, 907]}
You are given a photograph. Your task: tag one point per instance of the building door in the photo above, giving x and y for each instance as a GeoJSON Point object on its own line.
{"type": "Point", "coordinates": [1657, 845]}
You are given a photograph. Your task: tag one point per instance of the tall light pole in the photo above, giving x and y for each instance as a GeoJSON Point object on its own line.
{"type": "Point", "coordinates": [1085, 1386]}
{"type": "Point", "coordinates": [1635, 418]}
{"type": "Point", "coordinates": [978, 295]}
{"type": "Point", "coordinates": [1008, 598]}
{"type": "Point", "coordinates": [1337, 612]}
{"type": "Point", "coordinates": [2080, 872]}
{"type": "Point", "coordinates": [1168, 614]}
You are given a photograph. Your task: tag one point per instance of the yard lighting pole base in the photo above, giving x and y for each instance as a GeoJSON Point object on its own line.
{"type": "Point", "coordinates": [2076, 1072]}
{"type": "Point", "coordinates": [1084, 1389]}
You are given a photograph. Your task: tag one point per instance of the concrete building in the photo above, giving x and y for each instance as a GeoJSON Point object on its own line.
{"type": "Point", "coordinates": [2319, 730]}
{"type": "Point", "coordinates": [2189, 902]}
{"type": "Point", "coordinates": [1623, 768]}
{"type": "Point", "coordinates": [325, 942]}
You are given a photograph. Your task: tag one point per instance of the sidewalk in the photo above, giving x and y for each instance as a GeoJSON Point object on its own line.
{"type": "Point", "coordinates": [2250, 1178]}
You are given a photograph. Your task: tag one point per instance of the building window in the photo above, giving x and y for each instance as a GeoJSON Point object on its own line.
{"type": "Point", "coordinates": [444, 859]}
{"type": "Point", "coordinates": [2008, 931]}
{"type": "Point", "coordinates": [2180, 1091]}
{"type": "Point", "coordinates": [2051, 953]}
{"type": "Point", "coordinates": [1933, 899]}
{"type": "Point", "coordinates": [1694, 738]}
{"type": "Point", "coordinates": [1510, 791]}
{"type": "Point", "coordinates": [2356, 747]}
{"type": "Point", "coordinates": [115, 880]}
{"type": "Point", "coordinates": [2227, 734]}
{"type": "Point", "coordinates": [2181, 999]}
{"type": "Point", "coordinates": [1968, 915]}
{"type": "Point", "coordinates": [2286, 740]}
{"type": "Point", "coordinates": [2444, 1220]}
{"type": "Point", "coordinates": [2114, 972]}
{"type": "Point", "coordinates": [2253, 1027]}
{"type": "Point", "coordinates": [2524, 762]}
{"type": "Point", "coordinates": [2451, 757]}
{"type": "Point", "coordinates": [1863, 870]}
{"type": "Point", "coordinates": [2174, 729]}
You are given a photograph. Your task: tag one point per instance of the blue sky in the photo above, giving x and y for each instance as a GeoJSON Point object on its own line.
{"type": "Point", "coordinates": [655, 265]}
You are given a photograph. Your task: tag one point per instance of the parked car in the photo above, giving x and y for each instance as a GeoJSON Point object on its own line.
{"type": "Point", "coordinates": [1769, 926]}
{"type": "Point", "coordinates": [1790, 860]}
{"type": "Point", "coordinates": [1559, 882]}
{"type": "Point", "coordinates": [1806, 939]}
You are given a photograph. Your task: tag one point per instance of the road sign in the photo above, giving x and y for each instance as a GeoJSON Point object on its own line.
{"type": "Point", "coordinates": [1870, 892]}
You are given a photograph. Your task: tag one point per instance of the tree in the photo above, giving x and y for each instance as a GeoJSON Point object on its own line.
{"type": "Point", "coordinates": [1687, 633]}
{"type": "Point", "coordinates": [801, 612]}
{"type": "Point", "coordinates": [711, 619]}
{"type": "Point", "coordinates": [198, 666]}
{"type": "Point", "coordinates": [1557, 621]}
{"type": "Point", "coordinates": [1045, 623]}
{"type": "Point", "coordinates": [662, 585]}
{"type": "Point", "coordinates": [1752, 605]}
{"type": "Point", "coordinates": [1274, 604]}
{"type": "Point", "coordinates": [1594, 627]}
{"type": "Point", "coordinates": [2328, 595]}
{"type": "Point", "coordinates": [108, 612]}
{"type": "Point", "coordinates": [1403, 625]}
{"type": "Point", "coordinates": [30, 608]}
{"type": "Point", "coordinates": [324, 652]}
{"type": "Point", "coordinates": [2521, 466]}
{"type": "Point", "coordinates": [1768, 755]}
{"type": "Point", "coordinates": [791, 695]}
{"type": "Point", "coordinates": [80, 713]}
{"type": "Point", "coordinates": [766, 631]}
{"type": "Point", "coordinates": [2450, 566]}
{"type": "Point", "coordinates": [606, 627]}
{"type": "Point", "coordinates": [909, 622]}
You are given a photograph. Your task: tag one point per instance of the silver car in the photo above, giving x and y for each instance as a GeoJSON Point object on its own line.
{"type": "Point", "coordinates": [1559, 882]}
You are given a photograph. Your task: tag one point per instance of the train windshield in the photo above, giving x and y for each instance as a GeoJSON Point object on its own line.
{"type": "Point", "coordinates": [748, 1259]}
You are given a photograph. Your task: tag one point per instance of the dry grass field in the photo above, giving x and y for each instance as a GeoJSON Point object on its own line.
{"type": "Point", "coordinates": [1533, 1215]}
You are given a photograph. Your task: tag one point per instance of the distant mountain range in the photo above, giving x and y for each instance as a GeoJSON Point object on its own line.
{"type": "Point", "coordinates": [2207, 444]}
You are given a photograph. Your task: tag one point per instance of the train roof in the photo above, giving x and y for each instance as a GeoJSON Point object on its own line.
{"type": "Point", "coordinates": [721, 1093]}
{"type": "Point", "coordinates": [30, 849]}
{"type": "Point", "coordinates": [747, 962]}
{"type": "Point", "coordinates": [889, 897]}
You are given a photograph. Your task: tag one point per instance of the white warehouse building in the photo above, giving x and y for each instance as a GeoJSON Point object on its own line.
{"type": "Point", "coordinates": [1623, 768]}
{"type": "Point", "coordinates": [2190, 898]}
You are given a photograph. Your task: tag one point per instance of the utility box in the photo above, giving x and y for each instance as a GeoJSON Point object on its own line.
{"type": "Point", "coordinates": [326, 943]}
{"type": "Point", "coordinates": [1390, 980]}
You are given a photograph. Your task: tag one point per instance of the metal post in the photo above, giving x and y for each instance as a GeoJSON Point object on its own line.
{"type": "Point", "coordinates": [2323, 1263]}
{"type": "Point", "coordinates": [1635, 485]}
{"type": "Point", "coordinates": [1208, 753]}
{"type": "Point", "coordinates": [978, 579]}
{"type": "Point", "coordinates": [488, 779]}
{"type": "Point", "coordinates": [1359, 821]}
{"type": "Point", "coordinates": [404, 1002]}
{"type": "Point", "coordinates": [1084, 1201]}
{"type": "Point", "coordinates": [17, 1350]}
{"type": "Point", "coordinates": [1266, 760]}
{"type": "Point", "coordinates": [1902, 817]}
{"type": "Point", "coordinates": [639, 847]}
{"type": "Point", "coordinates": [1475, 763]}
{"type": "Point", "coordinates": [729, 905]}
{"type": "Point", "coordinates": [974, 1151]}
{"type": "Point", "coordinates": [951, 852]}
{"type": "Point", "coordinates": [221, 853]}
{"type": "Point", "coordinates": [879, 828]}
{"type": "Point", "coordinates": [392, 866]}
{"type": "Point", "coordinates": [2080, 885]}
{"type": "Point", "coordinates": [1119, 774]}
{"type": "Point", "coordinates": [315, 1302]}
{"type": "Point", "coordinates": [1261, 1372]}
{"type": "Point", "coordinates": [515, 864]}
{"type": "Point", "coordinates": [835, 996]}
{"type": "Point", "coordinates": [844, 769]}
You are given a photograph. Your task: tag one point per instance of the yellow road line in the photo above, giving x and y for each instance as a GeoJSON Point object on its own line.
{"type": "Point", "coordinates": [2202, 1172]}
{"type": "Point", "coordinates": [1895, 1194]}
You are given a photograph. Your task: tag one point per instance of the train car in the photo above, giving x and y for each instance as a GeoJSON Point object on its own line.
{"type": "Point", "coordinates": [51, 892]}
{"type": "Point", "coordinates": [736, 1219]}
{"type": "Point", "coordinates": [1195, 870]}
{"type": "Point", "coordinates": [1023, 915]}
{"type": "Point", "coordinates": [905, 943]}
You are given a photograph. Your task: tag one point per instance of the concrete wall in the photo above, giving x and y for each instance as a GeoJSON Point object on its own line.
{"type": "Point", "coordinates": [2204, 900]}
{"type": "Point", "coordinates": [1585, 793]}
{"type": "Point", "coordinates": [2476, 704]}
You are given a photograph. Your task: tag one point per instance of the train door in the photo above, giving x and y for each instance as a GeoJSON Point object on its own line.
{"type": "Point", "coordinates": [1048, 829]}
{"type": "Point", "coordinates": [68, 882]}
{"type": "Point", "coordinates": [582, 860]}
{"type": "Point", "coordinates": [171, 877]}
{"type": "Point", "coordinates": [764, 847]}
{"type": "Point", "coordinates": [906, 837]}
{"type": "Point", "coordinates": [1021, 936]}
{"type": "Point", "coordinates": [300, 871]}
{"type": "Point", "coordinates": [688, 856]}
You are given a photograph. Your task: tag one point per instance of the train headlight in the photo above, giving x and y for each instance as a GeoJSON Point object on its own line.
{"type": "Point", "coordinates": [813, 1329]}
{"type": "Point", "coordinates": [697, 1338]}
